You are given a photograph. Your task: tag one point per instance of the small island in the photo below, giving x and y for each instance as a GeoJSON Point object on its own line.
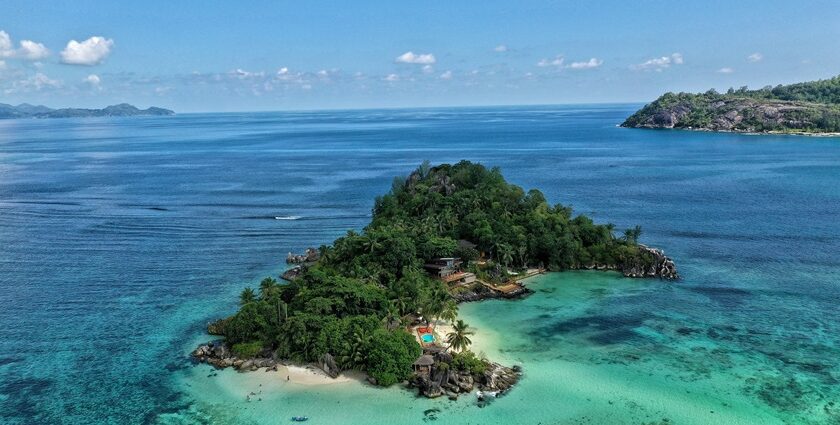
{"type": "Point", "coordinates": [803, 108]}
{"type": "Point", "coordinates": [25, 110]}
{"type": "Point", "coordinates": [374, 301]}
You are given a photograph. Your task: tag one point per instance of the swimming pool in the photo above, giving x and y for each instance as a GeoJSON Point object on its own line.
{"type": "Point", "coordinates": [427, 338]}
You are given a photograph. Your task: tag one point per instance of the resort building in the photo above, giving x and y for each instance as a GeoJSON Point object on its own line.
{"type": "Point", "coordinates": [424, 364]}
{"type": "Point", "coordinates": [449, 271]}
{"type": "Point", "coordinates": [443, 267]}
{"type": "Point", "coordinates": [459, 278]}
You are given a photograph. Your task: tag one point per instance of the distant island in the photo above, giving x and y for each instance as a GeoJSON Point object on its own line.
{"type": "Point", "coordinates": [373, 300]}
{"type": "Point", "coordinates": [803, 108]}
{"type": "Point", "coordinates": [25, 110]}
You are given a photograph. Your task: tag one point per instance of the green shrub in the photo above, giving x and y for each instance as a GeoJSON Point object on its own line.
{"type": "Point", "coordinates": [467, 361]}
{"type": "Point", "coordinates": [391, 355]}
{"type": "Point", "coordinates": [247, 350]}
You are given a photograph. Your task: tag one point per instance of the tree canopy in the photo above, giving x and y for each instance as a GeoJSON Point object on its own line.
{"type": "Point", "coordinates": [812, 106]}
{"type": "Point", "coordinates": [352, 303]}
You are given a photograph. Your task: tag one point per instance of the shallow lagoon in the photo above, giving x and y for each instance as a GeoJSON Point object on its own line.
{"type": "Point", "coordinates": [121, 238]}
{"type": "Point", "coordinates": [592, 350]}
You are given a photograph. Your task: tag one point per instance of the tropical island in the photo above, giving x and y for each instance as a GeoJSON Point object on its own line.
{"type": "Point", "coordinates": [25, 110]}
{"type": "Point", "coordinates": [803, 108]}
{"type": "Point", "coordinates": [372, 301]}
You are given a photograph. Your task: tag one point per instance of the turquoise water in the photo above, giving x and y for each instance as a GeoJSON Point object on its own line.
{"type": "Point", "coordinates": [121, 238]}
{"type": "Point", "coordinates": [428, 338]}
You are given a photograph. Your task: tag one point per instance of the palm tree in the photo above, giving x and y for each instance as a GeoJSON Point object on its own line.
{"type": "Point", "coordinates": [353, 355]}
{"type": "Point", "coordinates": [268, 287]}
{"type": "Point", "coordinates": [282, 311]}
{"type": "Point", "coordinates": [434, 305]}
{"type": "Point", "coordinates": [371, 244]}
{"type": "Point", "coordinates": [247, 296]}
{"type": "Point", "coordinates": [424, 168]}
{"type": "Point", "coordinates": [459, 339]}
{"type": "Point", "coordinates": [522, 250]}
{"type": "Point", "coordinates": [392, 319]}
{"type": "Point", "coordinates": [401, 304]}
{"type": "Point", "coordinates": [450, 311]}
{"type": "Point", "coordinates": [632, 235]}
{"type": "Point", "coordinates": [505, 254]}
{"type": "Point", "coordinates": [610, 228]}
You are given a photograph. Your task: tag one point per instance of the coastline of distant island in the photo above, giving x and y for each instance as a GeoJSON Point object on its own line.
{"type": "Point", "coordinates": [373, 301]}
{"type": "Point", "coordinates": [809, 108]}
{"type": "Point", "coordinates": [25, 110]}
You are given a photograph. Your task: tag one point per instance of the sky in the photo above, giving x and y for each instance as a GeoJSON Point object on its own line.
{"type": "Point", "coordinates": [205, 56]}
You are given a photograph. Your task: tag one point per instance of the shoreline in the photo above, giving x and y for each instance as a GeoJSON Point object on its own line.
{"type": "Point", "coordinates": [746, 133]}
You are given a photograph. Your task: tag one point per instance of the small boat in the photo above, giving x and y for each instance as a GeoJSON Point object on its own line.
{"type": "Point", "coordinates": [300, 418]}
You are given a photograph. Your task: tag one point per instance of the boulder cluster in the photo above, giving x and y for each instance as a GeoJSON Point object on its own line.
{"type": "Point", "coordinates": [311, 255]}
{"type": "Point", "coordinates": [661, 266]}
{"type": "Point", "coordinates": [480, 292]}
{"type": "Point", "coordinates": [441, 379]}
{"type": "Point", "coordinates": [218, 354]}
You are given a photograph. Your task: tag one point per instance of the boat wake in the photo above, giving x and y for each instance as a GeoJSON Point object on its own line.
{"type": "Point", "coordinates": [287, 217]}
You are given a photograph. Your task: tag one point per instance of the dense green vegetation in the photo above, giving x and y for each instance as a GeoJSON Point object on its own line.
{"type": "Point", "coordinates": [354, 302]}
{"type": "Point", "coordinates": [808, 107]}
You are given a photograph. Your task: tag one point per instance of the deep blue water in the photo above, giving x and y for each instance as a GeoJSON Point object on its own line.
{"type": "Point", "coordinates": [121, 238]}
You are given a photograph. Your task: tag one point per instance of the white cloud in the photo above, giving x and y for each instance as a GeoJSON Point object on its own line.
{"type": "Point", "coordinates": [501, 48]}
{"type": "Point", "coordinates": [677, 58]}
{"type": "Point", "coordinates": [93, 80]}
{"type": "Point", "coordinates": [283, 71]}
{"type": "Point", "coordinates": [36, 82]}
{"type": "Point", "coordinates": [755, 57]}
{"type": "Point", "coordinates": [2, 65]}
{"type": "Point", "coordinates": [557, 61]}
{"type": "Point", "coordinates": [411, 57]}
{"type": "Point", "coordinates": [725, 70]}
{"type": "Point", "coordinates": [392, 77]}
{"type": "Point", "coordinates": [591, 63]}
{"type": "Point", "coordinates": [658, 64]}
{"type": "Point", "coordinates": [6, 50]}
{"type": "Point", "coordinates": [29, 49]}
{"type": "Point", "coordinates": [32, 51]}
{"type": "Point", "coordinates": [428, 69]}
{"type": "Point", "coordinates": [89, 52]}
{"type": "Point", "coordinates": [447, 75]}
{"type": "Point", "coordinates": [243, 74]}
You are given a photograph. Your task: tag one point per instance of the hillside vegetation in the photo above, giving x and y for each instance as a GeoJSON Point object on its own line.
{"type": "Point", "coordinates": [810, 107]}
{"type": "Point", "coordinates": [353, 303]}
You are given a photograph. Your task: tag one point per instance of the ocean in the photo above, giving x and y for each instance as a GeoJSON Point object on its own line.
{"type": "Point", "coordinates": [120, 238]}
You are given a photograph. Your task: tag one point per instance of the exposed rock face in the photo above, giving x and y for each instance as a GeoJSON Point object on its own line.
{"type": "Point", "coordinates": [480, 292]}
{"type": "Point", "coordinates": [500, 378]}
{"type": "Point", "coordinates": [327, 364]}
{"type": "Point", "coordinates": [217, 327]}
{"type": "Point", "coordinates": [311, 255]}
{"type": "Point", "coordinates": [218, 354]}
{"type": "Point", "coordinates": [292, 273]}
{"type": "Point", "coordinates": [657, 265]}
{"type": "Point", "coordinates": [442, 380]}
{"type": "Point", "coordinates": [660, 266]}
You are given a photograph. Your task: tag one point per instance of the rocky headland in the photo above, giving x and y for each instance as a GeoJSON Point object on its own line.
{"type": "Point", "coordinates": [25, 110]}
{"type": "Point", "coordinates": [803, 108]}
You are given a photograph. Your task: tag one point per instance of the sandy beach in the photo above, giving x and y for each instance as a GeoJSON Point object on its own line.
{"type": "Point", "coordinates": [311, 375]}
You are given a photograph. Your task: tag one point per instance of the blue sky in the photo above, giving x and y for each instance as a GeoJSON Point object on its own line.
{"type": "Point", "coordinates": [276, 55]}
